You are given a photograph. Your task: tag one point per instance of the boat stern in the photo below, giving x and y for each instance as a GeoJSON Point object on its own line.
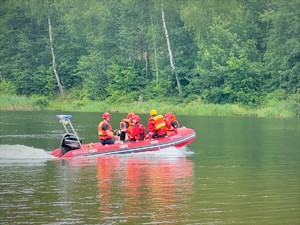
{"type": "Point", "coordinates": [56, 153]}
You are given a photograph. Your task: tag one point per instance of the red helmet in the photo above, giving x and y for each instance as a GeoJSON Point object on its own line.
{"type": "Point", "coordinates": [168, 115]}
{"type": "Point", "coordinates": [136, 117]}
{"type": "Point", "coordinates": [106, 115]}
{"type": "Point", "coordinates": [130, 115]}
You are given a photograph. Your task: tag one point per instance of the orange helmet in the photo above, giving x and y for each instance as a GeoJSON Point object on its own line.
{"type": "Point", "coordinates": [130, 115]}
{"type": "Point", "coordinates": [136, 117]}
{"type": "Point", "coordinates": [106, 115]}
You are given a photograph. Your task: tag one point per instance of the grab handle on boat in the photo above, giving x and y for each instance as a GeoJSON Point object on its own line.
{"type": "Point", "coordinates": [65, 119]}
{"type": "Point", "coordinates": [64, 116]}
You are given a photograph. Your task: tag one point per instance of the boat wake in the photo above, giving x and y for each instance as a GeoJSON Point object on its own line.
{"type": "Point", "coordinates": [22, 153]}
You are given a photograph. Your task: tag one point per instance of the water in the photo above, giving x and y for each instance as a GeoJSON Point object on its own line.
{"type": "Point", "coordinates": [238, 171]}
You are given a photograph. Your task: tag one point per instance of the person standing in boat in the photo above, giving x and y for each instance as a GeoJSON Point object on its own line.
{"type": "Point", "coordinates": [171, 122]}
{"type": "Point", "coordinates": [138, 132]}
{"type": "Point", "coordinates": [105, 131]}
{"type": "Point", "coordinates": [126, 126]}
{"type": "Point", "coordinates": [156, 125]}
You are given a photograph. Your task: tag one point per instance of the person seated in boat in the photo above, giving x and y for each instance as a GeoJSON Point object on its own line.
{"type": "Point", "coordinates": [105, 131]}
{"type": "Point", "coordinates": [126, 126]}
{"type": "Point", "coordinates": [172, 122]}
{"type": "Point", "coordinates": [138, 132]}
{"type": "Point", "coordinates": [157, 126]}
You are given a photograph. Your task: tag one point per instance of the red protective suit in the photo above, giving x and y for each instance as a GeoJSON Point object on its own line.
{"type": "Point", "coordinates": [138, 132]}
{"type": "Point", "coordinates": [157, 127]}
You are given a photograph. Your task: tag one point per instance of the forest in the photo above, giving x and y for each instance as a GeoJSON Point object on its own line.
{"type": "Point", "coordinates": [210, 51]}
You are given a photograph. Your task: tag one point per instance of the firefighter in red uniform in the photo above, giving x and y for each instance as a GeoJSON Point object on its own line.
{"type": "Point", "coordinates": [105, 131]}
{"type": "Point", "coordinates": [138, 132]}
{"type": "Point", "coordinates": [157, 126]}
{"type": "Point", "coordinates": [172, 121]}
{"type": "Point", "coordinates": [126, 126]}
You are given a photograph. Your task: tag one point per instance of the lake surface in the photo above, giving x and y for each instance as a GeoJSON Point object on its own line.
{"type": "Point", "coordinates": [238, 171]}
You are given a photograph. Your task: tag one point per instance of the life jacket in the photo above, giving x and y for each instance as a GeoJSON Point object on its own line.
{"type": "Point", "coordinates": [102, 134]}
{"type": "Point", "coordinates": [126, 125]}
{"type": "Point", "coordinates": [159, 122]}
{"type": "Point", "coordinates": [172, 120]}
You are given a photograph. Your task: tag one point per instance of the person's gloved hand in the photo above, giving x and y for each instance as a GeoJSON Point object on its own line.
{"type": "Point", "coordinates": [149, 136]}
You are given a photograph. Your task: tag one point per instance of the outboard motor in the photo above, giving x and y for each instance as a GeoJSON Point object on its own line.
{"type": "Point", "coordinates": [69, 142]}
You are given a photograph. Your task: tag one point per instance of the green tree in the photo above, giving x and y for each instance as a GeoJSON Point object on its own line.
{"type": "Point", "coordinates": [225, 72]}
{"type": "Point", "coordinates": [224, 51]}
{"type": "Point", "coordinates": [282, 55]}
{"type": "Point", "coordinates": [126, 84]}
{"type": "Point", "coordinates": [92, 70]}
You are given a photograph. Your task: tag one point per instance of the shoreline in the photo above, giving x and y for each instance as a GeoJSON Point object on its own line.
{"type": "Point", "coordinates": [282, 109]}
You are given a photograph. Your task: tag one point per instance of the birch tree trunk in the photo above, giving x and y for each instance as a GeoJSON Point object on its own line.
{"type": "Point", "coordinates": [145, 55]}
{"type": "Point", "coordinates": [52, 53]}
{"type": "Point", "coordinates": [169, 48]}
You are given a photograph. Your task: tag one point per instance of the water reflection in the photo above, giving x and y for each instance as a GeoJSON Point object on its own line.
{"type": "Point", "coordinates": [143, 189]}
{"type": "Point", "coordinates": [243, 171]}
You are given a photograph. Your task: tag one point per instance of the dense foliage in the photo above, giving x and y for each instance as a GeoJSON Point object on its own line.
{"type": "Point", "coordinates": [231, 51]}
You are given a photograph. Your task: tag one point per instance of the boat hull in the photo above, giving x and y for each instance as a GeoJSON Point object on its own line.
{"type": "Point", "coordinates": [184, 137]}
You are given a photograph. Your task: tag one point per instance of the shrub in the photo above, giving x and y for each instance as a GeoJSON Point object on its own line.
{"type": "Point", "coordinates": [294, 101]}
{"type": "Point", "coordinates": [6, 87]}
{"type": "Point", "coordinates": [41, 102]}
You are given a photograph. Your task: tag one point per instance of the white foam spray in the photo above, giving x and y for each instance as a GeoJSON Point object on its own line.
{"type": "Point", "coordinates": [22, 152]}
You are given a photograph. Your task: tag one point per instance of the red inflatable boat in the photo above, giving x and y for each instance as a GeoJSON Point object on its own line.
{"type": "Point", "coordinates": [71, 145]}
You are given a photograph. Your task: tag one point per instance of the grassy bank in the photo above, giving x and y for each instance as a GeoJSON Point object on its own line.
{"type": "Point", "coordinates": [283, 109]}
